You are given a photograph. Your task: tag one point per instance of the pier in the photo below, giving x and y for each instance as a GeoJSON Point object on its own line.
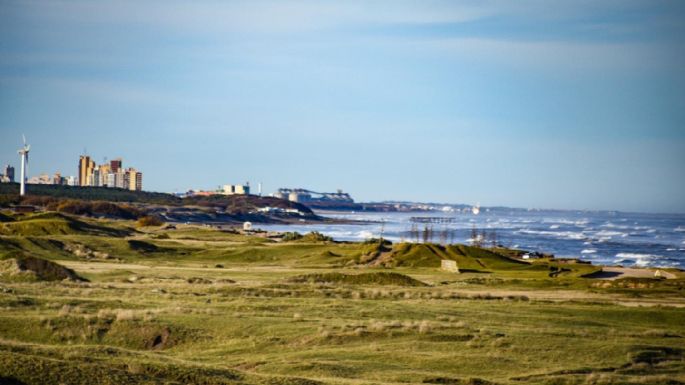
{"type": "Point", "coordinates": [437, 220]}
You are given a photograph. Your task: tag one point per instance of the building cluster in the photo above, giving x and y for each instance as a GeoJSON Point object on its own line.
{"type": "Point", "coordinates": [111, 174]}
{"type": "Point", "coordinates": [227, 189]}
{"type": "Point", "coordinates": [302, 196]}
{"type": "Point", "coordinates": [7, 175]}
{"type": "Point", "coordinates": [56, 179]}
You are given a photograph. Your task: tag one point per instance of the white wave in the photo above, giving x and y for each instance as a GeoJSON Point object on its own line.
{"type": "Point", "coordinates": [642, 228]}
{"type": "Point", "coordinates": [613, 226]}
{"type": "Point", "coordinates": [556, 234]}
{"type": "Point", "coordinates": [578, 223]}
{"type": "Point", "coordinates": [680, 229]}
{"type": "Point", "coordinates": [554, 227]}
{"type": "Point", "coordinates": [640, 260]}
{"type": "Point", "coordinates": [671, 249]}
{"type": "Point", "coordinates": [588, 251]}
{"type": "Point", "coordinates": [365, 234]}
{"type": "Point", "coordinates": [605, 233]}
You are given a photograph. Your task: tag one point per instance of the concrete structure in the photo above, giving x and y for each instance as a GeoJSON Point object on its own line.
{"type": "Point", "coordinates": [100, 175]}
{"type": "Point", "coordinates": [115, 164]}
{"type": "Point", "coordinates": [299, 197]}
{"type": "Point", "coordinates": [449, 265]}
{"type": "Point", "coordinates": [236, 189]}
{"type": "Point", "coordinates": [24, 152]}
{"type": "Point", "coordinates": [111, 180]}
{"type": "Point", "coordinates": [85, 170]}
{"type": "Point", "coordinates": [304, 195]}
{"type": "Point", "coordinates": [120, 179]}
{"type": "Point", "coordinates": [41, 179]}
{"type": "Point", "coordinates": [134, 179]}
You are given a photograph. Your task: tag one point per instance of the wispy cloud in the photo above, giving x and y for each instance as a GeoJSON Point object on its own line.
{"type": "Point", "coordinates": [557, 55]}
{"type": "Point", "coordinates": [98, 89]}
{"type": "Point", "coordinates": [254, 16]}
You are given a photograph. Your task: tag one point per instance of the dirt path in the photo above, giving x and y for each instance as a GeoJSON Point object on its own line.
{"type": "Point", "coordinates": [612, 273]}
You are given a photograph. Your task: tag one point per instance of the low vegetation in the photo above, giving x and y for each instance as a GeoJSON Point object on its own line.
{"type": "Point", "coordinates": [149, 220]}
{"type": "Point", "coordinates": [102, 301]}
{"type": "Point", "coordinates": [375, 278]}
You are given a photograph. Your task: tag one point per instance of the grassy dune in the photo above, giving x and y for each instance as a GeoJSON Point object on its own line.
{"type": "Point", "coordinates": [194, 305]}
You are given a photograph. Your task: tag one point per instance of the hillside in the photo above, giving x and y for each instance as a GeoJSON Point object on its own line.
{"type": "Point", "coordinates": [91, 301]}
{"type": "Point", "coordinates": [125, 204]}
{"type": "Point", "coordinates": [11, 191]}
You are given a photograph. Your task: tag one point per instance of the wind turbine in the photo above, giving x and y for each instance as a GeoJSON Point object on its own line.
{"type": "Point", "coordinates": [24, 153]}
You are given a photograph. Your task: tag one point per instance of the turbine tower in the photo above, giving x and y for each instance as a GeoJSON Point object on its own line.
{"type": "Point", "coordinates": [24, 153]}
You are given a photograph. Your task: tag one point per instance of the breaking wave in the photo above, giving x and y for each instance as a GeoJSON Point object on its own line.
{"type": "Point", "coordinates": [640, 260]}
{"type": "Point", "coordinates": [556, 234]}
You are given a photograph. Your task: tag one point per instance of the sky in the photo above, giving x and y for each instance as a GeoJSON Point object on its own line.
{"type": "Point", "coordinates": [537, 104]}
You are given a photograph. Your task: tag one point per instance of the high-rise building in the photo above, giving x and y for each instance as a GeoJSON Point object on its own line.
{"type": "Point", "coordinates": [95, 178]}
{"type": "Point", "coordinates": [100, 175]}
{"type": "Point", "coordinates": [134, 179]}
{"type": "Point", "coordinates": [86, 166]}
{"type": "Point", "coordinates": [110, 174]}
{"type": "Point", "coordinates": [111, 179]}
{"type": "Point", "coordinates": [7, 175]}
{"type": "Point", "coordinates": [115, 164]}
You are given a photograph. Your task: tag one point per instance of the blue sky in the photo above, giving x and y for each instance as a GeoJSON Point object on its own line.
{"type": "Point", "coordinates": [564, 104]}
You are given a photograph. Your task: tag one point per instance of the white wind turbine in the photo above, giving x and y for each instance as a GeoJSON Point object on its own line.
{"type": "Point", "coordinates": [24, 153]}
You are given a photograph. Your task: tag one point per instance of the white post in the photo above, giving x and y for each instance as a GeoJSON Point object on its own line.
{"type": "Point", "coordinates": [22, 188]}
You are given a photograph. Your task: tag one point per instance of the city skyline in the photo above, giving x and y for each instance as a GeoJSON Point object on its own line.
{"type": "Point", "coordinates": [110, 173]}
{"type": "Point", "coordinates": [506, 104]}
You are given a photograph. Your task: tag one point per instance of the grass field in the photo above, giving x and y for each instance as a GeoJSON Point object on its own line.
{"type": "Point", "coordinates": [194, 305]}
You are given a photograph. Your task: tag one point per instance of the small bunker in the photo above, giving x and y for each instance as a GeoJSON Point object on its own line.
{"type": "Point", "coordinates": [449, 265]}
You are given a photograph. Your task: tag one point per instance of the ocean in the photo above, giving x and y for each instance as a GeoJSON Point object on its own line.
{"type": "Point", "coordinates": [614, 238]}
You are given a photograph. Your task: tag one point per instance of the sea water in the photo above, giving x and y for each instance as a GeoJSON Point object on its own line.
{"type": "Point", "coordinates": [629, 239]}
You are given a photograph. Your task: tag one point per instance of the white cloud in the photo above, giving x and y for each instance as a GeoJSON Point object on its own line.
{"type": "Point", "coordinates": [554, 55]}
{"type": "Point", "coordinates": [249, 16]}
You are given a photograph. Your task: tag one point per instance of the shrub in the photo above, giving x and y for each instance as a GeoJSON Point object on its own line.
{"type": "Point", "coordinates": [97, 208]}
{"type": "Point", "coordinates": [292, 236]}
{"type": "Point", "coordinates": [316, 236]}
{"type": "Point", "coordinates": [149, 220]}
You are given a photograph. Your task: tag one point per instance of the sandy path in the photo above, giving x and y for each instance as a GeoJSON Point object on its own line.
{"type": "Point", "coordinates": [612, 273]}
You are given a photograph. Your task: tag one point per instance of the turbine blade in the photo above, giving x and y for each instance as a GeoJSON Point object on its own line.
{"type": "Point", "coordinates": [24, 137]}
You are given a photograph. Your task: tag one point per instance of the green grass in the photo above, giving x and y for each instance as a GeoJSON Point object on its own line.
{"type": "Point", "coordinates": [376, 278]}
{"type": "Point", "coordinates": [200, 306]}
{"type": "Point", "coordinates": [57, 224]}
